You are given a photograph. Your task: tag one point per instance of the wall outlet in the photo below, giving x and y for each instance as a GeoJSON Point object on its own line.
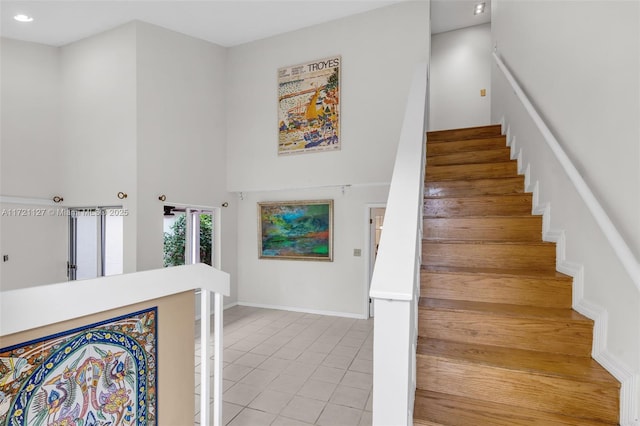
{"type": "Point", "coordinates": [357, 252]}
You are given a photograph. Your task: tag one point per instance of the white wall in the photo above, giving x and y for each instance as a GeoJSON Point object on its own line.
{"type": "Point", "coordinates": [30, 165]}
{"type": "Point", "coordinates": [584, 78]}
{"type": "Point", "coordinates": [181, 136]}
{"type": "Point", "coordinates": [30, 131]}
{"type": "Point", "coordinates": [36, 244]}
{"type": "Point", "coordinates": [585, 84]}
{"type": "Point", "coordinates": [330, 287]}
{"type": "Point", "coordinates": [181, 139]}
{"type": "Point", "coordinates": [460, 68]}
{"type": "Point", "coordinates": [142, 112]}
{"type": "Point", "coordinates": [99, 125]}
{"type": "Point", "coordinates": [379, 51]}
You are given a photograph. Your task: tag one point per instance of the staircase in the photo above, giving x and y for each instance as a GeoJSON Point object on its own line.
{"type": "Point", "coordinates": [498, 341]}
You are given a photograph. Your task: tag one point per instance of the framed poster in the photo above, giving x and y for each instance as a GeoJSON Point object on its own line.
{"type": "Point", "coordinates": [309, 107]}
{"type": "Point", "coordinates": [100, 374]}
{"type": "Point", "coordinates": [299, 230]}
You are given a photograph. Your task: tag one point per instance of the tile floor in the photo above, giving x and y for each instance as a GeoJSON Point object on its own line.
{"type": "Point", "coordinates": [290, 368]}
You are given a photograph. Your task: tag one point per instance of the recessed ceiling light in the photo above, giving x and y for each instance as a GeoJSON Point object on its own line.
{"type": "Point", "coordinates": [21, 17]}
{"type": "Point", "coordinates": [479, 9]}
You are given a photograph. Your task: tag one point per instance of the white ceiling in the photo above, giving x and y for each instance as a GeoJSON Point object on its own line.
{"type": "Point", "coordinates": [449, 15]}
{"type": "Point", "coordinates": [226, 23]}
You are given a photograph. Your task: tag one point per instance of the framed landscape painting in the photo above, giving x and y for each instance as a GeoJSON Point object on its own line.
{"type": "Point", "coordinates": [298, 230]}
{"type": "Point", "coordinates": [309, 107]}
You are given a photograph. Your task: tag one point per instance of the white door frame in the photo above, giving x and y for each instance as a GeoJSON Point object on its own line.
{"type": "Point", "coordinates": [368, 254]}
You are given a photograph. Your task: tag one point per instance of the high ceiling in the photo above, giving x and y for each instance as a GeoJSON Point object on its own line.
{"type": "Point", "coordinates": [449, 15]}
{"type": "Point", "coordinates": [226, 23]}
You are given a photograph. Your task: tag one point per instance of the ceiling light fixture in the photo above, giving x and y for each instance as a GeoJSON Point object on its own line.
{"type": "Point", "coordinates": [21, 17]}
{"type": "Point", "coordinates": [479, 9]}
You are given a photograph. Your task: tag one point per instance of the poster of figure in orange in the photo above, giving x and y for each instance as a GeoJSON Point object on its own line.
{"type": "Point", "coordinates": [309, 107]}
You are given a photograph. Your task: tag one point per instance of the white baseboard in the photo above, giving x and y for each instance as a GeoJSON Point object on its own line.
{"type": "Point", "coordinates": [230, 305]}
{"type": "Point", "coordinates": [304, 310]}
{"type": "Point", "coordinates": [630, 382]}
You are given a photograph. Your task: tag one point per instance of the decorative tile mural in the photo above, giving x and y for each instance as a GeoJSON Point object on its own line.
{"type": "Point", "coordinates": [103, 374]}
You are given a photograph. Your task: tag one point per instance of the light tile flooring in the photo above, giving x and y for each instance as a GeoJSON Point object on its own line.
{"type": "Point", "coordinates": [290, 368]}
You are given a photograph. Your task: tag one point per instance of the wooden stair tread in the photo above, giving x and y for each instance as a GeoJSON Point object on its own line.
{"type": "Point", "coordinates": [515, 311]}
{"type": "Point", "coordinates": [465, 133]}
{"type": "Point", "coordinates": [489, 170]}
{"type": "Point", "coordinates": [474, 187]}
{"type": "Point", "coordinates": [534, 362]}
{"type": "Point", "coordinates": [489, 155]}
{"type": "Point", "coordinates": [452, 410]}
{"type": "Point", "coordinates": [545, 289]}
{"type": "Point", "coordinates": [496, 197]}
{"type": "Point", "coordinates": [457, 205]}
{"type": "Point", "coordinates": [471, 155]}
{"type": "Point", "coordinates": [533, 218]}
{"type": "Point", "coordinates": [489, 228]}
{"type": "Point", "coordinates": [468, 146]}
{"type": "Point", "coordinates": [525, 273]}
{"type": "Point", "coordinates": [487, 242]}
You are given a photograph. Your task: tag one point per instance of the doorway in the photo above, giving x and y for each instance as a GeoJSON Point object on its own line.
{"type": "Point", "coordinates": [96, 242]}
{"type": "Point", "coordinates": [375, 222]}
{"type": "Point", "coordinates": [189, 236]}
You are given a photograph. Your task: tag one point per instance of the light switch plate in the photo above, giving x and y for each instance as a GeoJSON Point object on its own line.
{"type": "Point", "coordinates": [357, 252]}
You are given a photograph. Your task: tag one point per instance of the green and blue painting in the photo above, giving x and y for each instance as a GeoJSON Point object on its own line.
{"type": "Point", "coordinates": [296, 230]}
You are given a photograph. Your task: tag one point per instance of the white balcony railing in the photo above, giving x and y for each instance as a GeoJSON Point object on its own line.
{"type": "Point", "coordinates": [31, 307]}
{"type": "Point", "coordinates": [395, 287]}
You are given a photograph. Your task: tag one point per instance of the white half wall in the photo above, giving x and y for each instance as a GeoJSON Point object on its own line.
{"type": "Point", "coordinates": [460, 68]}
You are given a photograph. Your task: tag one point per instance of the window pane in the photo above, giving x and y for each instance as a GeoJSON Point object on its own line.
{"type": "Point", "coordinates": [206, 224]}
{"type": "Point", "coordinates": [174, 239]}
{"type": "Point", "coordinates": [113, 244]}
{"type": "Point", "coordinates": [87, 245]}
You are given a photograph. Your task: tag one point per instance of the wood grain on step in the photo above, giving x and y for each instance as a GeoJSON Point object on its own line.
{"type": "Point", "coordinates": [518, 388]}
{"type": "Point", "coordinates": [469, 145]}
{"type": "Point", "coordinates": [466, 188]}
{"type": "Point", "coordinates": [523, 228]}
{"type": "Point", "coordinates": [521, 327]}
{"type": "Point", "coordinates": [454, 410]}
{"type": "Point", "coordinates": [465, 133]}
{"type": "Point", "coordinates": [481, 205]}
{"type": "Point", "coordinates": [470, 157]}
{"type": "Point", "coordinates": [552, 290]}
{"type": "Point", "coordinates": [472, 171]}
{"type": "Point", "coordinates": [501, 255]}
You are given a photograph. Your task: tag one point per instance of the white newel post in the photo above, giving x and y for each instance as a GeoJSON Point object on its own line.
{"type": "Point", "coordinates": [392, 355]}
{"type": "Point", "coordinates": [217, 384]}
{"type": "Point", "coordinates": [205, 361]}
